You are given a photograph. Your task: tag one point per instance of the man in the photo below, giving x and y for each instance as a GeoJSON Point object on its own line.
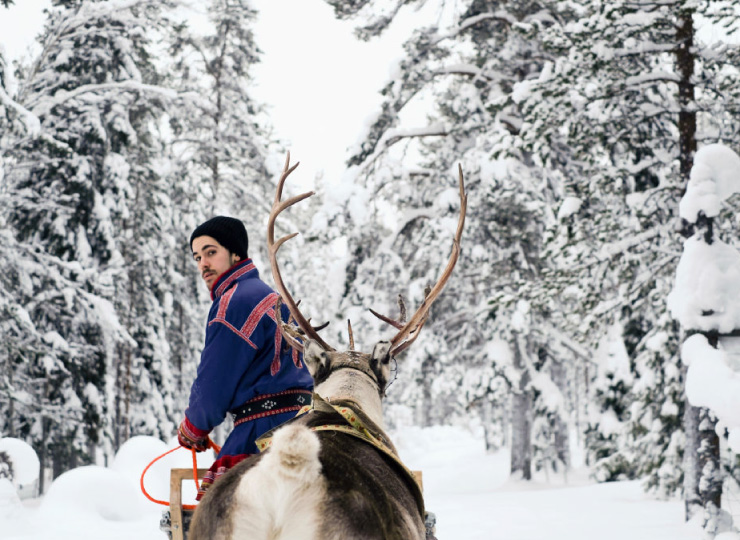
{"type": "Point", "coordinates": [246, 368]}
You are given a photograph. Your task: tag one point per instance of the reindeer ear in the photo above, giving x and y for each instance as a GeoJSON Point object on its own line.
{"type": "Point", "coordinates": [316, 359]}
{"type": "Point", "coordinates": [380, 362]}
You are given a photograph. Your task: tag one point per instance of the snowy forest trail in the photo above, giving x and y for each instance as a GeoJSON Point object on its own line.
{"type": "Point", "coordinates": [474, 498]}
{"type": "Point", "coordinates": [469, 490]}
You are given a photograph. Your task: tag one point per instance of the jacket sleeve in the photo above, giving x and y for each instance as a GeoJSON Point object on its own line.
{"type": "Point", "coordinates": [226, 357]}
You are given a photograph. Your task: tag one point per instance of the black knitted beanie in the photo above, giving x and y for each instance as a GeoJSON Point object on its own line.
{"type": "Point", "coordinates": [228, 231]}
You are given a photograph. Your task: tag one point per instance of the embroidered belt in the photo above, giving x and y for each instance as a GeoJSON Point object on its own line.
{"type": "Point", "coordinates": [270, 404]}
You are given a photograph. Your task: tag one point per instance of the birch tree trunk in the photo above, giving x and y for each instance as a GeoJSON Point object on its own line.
{"type": "Point", "coordinates": [562, 436]}
{"type": "Point", "coordinates": [703, 473]}
{"type": "Point", "coordinates": [521, 414]}
{"type": "Point", "coordinates": [427, 376]}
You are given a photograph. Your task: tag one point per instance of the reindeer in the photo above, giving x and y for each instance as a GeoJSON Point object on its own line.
{"type": "Point", "coordinates": [331, 473]}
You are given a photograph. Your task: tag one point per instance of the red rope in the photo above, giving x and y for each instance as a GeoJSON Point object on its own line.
{"type": "Point", "coordinates": [211, 444]}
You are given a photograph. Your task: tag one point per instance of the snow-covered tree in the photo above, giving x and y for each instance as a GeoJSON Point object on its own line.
{"type": "Point", "coordinates": [607, 434]}
{"type": "Point", "coordinates": [220, 135]}
{"type": "Point", "coordinates": [467, 64]}
{"type": "Point", "coordinates": [85, 204]}
{"type": "Point", "coordinates": [218, 143]}
{"type": "Point", "coordinates": [619, 114]}
{"type": "Point", "coordinates": [703, 301]}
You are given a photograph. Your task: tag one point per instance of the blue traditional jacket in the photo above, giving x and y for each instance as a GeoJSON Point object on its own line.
{"type": "Point", "coordinates": [244, 358]}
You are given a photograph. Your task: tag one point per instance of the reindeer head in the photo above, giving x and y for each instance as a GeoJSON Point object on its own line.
{"type": "Point", "coordinates": [323, 361]}
{"type": "Point", "coordinates": [376, 366]}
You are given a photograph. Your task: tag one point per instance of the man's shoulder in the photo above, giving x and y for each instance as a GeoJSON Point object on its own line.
{"type": "Point", "coordinates": [251, 290]}
{"type": "Point", "coordinates": [242, 298]}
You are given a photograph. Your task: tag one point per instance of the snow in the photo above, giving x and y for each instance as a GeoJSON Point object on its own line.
{"type": "Point", "coordinates": [10, 503]}
{"type": "Point", "coordinates": [704, 295]}
{"type": "Point", "coordinates": [86, 492]}
{"type": "Point", "coordinates": [30, 120]}
{"type": "Point", "coordinates": [570, 206]}
{"type": "Point", "coordinates": [715, 176]}
{"type": "Point", "coordinates": [500, 351]}
{"type": "Point", "coordinates": [612, 355]}
{"type": "Point", "coordinates": [712, 382]}
{"type": "Point", "coordinates": [469, 490]}
{"type": "Point", "coordinates": [24, 459]}
{"type": "Point", "coordinates": [707, 283]}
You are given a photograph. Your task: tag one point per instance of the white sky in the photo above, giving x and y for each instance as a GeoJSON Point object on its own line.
{"type": "Point", "coordinates": [322, 83]}
{"type": "Point", "coordinates": [319, 82]}
{"type": "Point", "coordinates": [20, 23]}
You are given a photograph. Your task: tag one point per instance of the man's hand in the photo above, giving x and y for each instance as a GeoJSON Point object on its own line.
{"type": "Point", "coordinates": [190, 436]}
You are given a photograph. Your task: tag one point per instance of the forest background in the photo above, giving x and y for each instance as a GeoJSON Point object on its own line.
{"type": "Point", "coordinates": [576, 124]}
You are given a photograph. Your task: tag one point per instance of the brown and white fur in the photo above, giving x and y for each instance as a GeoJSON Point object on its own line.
{"type": "Point", "coordinates": [322, 485]}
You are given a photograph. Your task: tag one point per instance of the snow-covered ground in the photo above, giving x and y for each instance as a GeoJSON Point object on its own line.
{"type": "Point", "coordinates": [470, 492]}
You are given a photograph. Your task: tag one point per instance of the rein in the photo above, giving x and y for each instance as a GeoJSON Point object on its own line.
{"type": "Point", "coordinates": [211, 444]}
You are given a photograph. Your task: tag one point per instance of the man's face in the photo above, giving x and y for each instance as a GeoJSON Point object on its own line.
{"type": "Point", "coordinates": [212, 258]}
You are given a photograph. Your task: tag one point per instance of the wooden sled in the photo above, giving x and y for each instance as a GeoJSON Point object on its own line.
{"type": "Point", "coordinates": [176, 478]}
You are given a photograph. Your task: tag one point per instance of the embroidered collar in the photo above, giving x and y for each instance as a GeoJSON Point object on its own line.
{"type": "Point", "coordinates": [225, 280]}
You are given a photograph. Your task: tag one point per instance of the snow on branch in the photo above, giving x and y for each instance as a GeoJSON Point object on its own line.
{"type": "Point", "coordinates": [705, 294]}
{"type": "Point", "coordinates": [106, 7]}
{"type": "Point", "coordinates": [616, 248]}
{"type": "Point", "coordinates": [409, 216]}
{"type": "Point", "coordinates": [463, 69]}
{"type": "Point", "coordinates": [655, 76]}
{"type": "Point", "coordinates": [46, 104]}
{"type": "Point", "coordinates": [30, 120]}
{"type": "Point", "coordinates": [713, 381]}
{"type": "Point", "coordinates": [501, 16]}
{"type": "Point", "coordinates": [644, 48]}
{"type": "Point", "coordinates": [714, 177]}
{"type": "Point", "coordinates": [567, 342]}
{"type": "Point", "coordinates": [392, 136]}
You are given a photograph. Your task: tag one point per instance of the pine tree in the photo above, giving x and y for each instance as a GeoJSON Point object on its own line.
{"type": "Point", "coordinates": [607, 434]}
{"type": "Point", "coordinates": [104, 332]}
{"type": "Point", "coordinates": [619, 116]}
{"type": "Point", "coordinates": [84, 202]}
{"type": "Point", "coordinates": [217, 149]}
{"type": "Point", "coordinates": [470, 71]}
{"type": "Point", "coordinates": [219, 131]}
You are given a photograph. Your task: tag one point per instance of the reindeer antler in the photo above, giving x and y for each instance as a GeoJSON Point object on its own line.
{"type": "Point", "coordinates": [277, 207]}
{"type": "Point", "coordinates": [410, 331]}
{"type": "Point", "coordinates": [407, 331]}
